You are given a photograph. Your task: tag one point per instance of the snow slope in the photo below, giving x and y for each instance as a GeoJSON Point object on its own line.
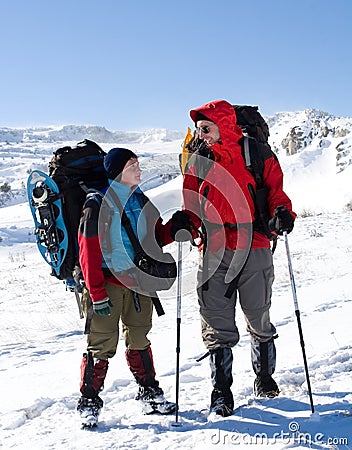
{"type": "Point", "coordinates": [42, 342]}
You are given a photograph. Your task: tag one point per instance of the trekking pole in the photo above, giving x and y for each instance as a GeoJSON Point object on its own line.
{"type": "Point", "coordinates": [178, 332]}
{"type": "Point", "coordinates": [80, 310]}
{"type": "Point", "coordinates": [298, 315]}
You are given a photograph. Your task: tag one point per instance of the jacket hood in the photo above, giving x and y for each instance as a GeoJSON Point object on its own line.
{"type": "Point", "coordinates": [223, 114]}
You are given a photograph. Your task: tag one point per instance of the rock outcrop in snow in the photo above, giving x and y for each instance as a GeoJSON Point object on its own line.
{"type": "Point", "coordinates": [295, 132]}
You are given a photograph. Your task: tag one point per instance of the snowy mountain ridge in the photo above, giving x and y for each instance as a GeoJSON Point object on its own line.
{"type": "Point", "coordinates": [79, 132]}
{"type": "Point", "coordinates": [314, 149]}
{"type": "Point", "coordinates": [290, 133]}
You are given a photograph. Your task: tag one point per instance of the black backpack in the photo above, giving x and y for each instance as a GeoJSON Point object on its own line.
{"type": "Point", "coordinates": [252, 123]}
{"type": "Point", "coordinates": [255, 150]}
{"type": "Point", "coordinates": [77, 171]}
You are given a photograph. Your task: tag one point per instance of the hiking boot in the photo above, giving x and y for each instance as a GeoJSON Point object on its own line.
{"type": "Point", "coordinates": [221, 376]}
{"type": "Point", "coordinates": [89, 410]}
{"type": "Point", "coordinates": [221, 403]}
{"type": "Point", "coordinates": [265, 386]}
{"type": "Point", "coordinates": [153, 401]}
{"type": "Point", "coordinates": [93, 373]}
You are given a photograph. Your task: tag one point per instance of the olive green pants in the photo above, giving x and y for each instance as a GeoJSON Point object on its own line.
{"type": "Point", "coordinates": [104, 330]}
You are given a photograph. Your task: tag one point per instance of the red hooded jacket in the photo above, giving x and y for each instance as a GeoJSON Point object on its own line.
{"type": "Point", "coordinates": [224, 196]}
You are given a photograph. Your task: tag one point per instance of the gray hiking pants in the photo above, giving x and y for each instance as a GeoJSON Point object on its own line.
{"type": "Point", "coordinates": [254, 288]}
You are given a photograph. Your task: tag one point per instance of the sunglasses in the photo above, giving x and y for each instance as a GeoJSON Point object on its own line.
{"type": "Point", "coordinates": [205, 129]}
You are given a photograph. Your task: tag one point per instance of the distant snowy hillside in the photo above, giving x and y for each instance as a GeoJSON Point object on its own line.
{"type": "Point", "coordinates": [313, 147]}
{"type": "Point", "coordinates": [23, 150]}
{"type": "Point", "coordinates": [80, 132]}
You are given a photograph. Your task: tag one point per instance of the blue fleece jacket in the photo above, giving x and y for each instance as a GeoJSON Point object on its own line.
{"type": "Point", "coordinates": [122, 255]}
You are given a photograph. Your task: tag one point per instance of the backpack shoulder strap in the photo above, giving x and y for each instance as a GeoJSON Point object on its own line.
{"type": "Point", "coordinates": [254, 159]}
{"type": "Point", "coordinates": [95, 196]}
{"type": "Point", "coordinates": [255, 154]}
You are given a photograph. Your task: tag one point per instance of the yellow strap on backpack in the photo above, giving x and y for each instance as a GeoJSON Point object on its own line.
{"type": "Point", "coordinates": [186, 153]}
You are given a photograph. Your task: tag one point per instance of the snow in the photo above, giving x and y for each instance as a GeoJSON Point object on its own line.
{"type": "Point", "coordinates": [42, 336]}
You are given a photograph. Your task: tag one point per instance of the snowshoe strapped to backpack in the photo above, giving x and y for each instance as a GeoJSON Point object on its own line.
{"type": "Point", "coordinates": [77, 171]}
{"type": "Point", "coordinates": [73, 172]}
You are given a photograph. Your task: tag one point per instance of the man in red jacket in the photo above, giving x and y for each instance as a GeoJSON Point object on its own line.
{"type": "Point", "coordinates": [237, 258]}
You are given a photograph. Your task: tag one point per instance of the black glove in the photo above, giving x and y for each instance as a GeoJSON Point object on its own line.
{"type": "Point", "coordinates": [181, 227]}
{"type": "Point", "coordinates": [282, 221]}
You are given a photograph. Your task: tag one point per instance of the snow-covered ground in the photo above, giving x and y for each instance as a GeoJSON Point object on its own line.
{"type": "Point", "coordinates": [42, 345]}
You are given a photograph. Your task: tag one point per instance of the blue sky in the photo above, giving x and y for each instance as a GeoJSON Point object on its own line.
{"type": "Point", "coordinates": [137, 64]}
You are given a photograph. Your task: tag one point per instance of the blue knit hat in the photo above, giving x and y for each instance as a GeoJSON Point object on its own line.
{"type": "Point", "coordinates": [115, 161]}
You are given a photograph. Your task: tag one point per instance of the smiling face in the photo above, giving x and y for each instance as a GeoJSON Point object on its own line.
{"type": "Point", "coordinates": [131, 174]}
{"type": "Point", "coordinates": [208, 131]}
